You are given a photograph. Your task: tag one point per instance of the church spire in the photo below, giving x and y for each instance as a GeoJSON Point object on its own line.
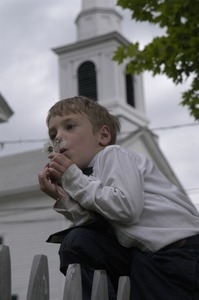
{"type": "Point", "coordinates": [88, 4]}
{"type": "Point", "coordinates": [97, 17]}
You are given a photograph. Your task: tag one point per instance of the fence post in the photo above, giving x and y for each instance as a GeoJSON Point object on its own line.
{"type": "Point", "coordinates": [124, 287]}
{"type": "Point", "coordinates": [38, 288]}
{"type": "Point", "coordinates": [100, 286]}
{"type": "Point", "coordinates": [73, 283]}
{"type": "Point", "coordinates": [5, 273]}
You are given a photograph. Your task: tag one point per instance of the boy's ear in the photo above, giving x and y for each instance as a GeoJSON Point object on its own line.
{"type": "Point", "coordinates": [104, 136]}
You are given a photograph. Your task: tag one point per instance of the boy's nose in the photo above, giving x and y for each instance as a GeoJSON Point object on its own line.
{"type": "Point", "coordinates": [58, 140]}
{"type": "Point", "coordinates": [60, 136]}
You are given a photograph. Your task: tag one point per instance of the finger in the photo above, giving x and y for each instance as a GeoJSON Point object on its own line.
{"type": "Point", "coordinates": [58, 166]}
{"type": "Point", "coordinates": [51, 155]}
{"type": "Point", "coordinates": [55, 173]}
{"type": "Point", "coordinates": [61, 159]}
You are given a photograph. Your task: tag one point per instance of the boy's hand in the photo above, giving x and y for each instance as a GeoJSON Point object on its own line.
{"type": "Point", "coordinates": [48, 185]}
{"type": "Point", "coordinates": [58, 165]}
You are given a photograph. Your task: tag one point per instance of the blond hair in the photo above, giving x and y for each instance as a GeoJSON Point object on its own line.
{"type": "Point", "coordinates": [97, 114]}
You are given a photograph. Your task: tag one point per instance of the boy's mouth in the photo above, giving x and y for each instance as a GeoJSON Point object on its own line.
{"type": "Point", "coordinates": [62, 150]}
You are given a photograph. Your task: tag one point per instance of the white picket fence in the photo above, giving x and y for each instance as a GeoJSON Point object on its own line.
{"type": "Point", "coordinates": [38, 287]}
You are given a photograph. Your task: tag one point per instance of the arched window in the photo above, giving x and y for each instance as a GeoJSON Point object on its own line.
{"type": "Point", "coordinates": [130, 95]}
{"type": "Point", "coordinates": [87, 81]}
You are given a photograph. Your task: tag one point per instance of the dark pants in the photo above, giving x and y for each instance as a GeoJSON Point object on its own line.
{"type": "Point", "coordinates": [170, 273]}
{"type": "Point", "coordinates": [95, 250]}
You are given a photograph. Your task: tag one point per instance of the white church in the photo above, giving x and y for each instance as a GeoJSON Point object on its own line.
{"type": "Point", "coordinates": [85, 68]}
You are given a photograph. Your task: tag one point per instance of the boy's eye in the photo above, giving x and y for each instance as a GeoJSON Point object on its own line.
{"type": "Point", "coordinates": [70, 126]}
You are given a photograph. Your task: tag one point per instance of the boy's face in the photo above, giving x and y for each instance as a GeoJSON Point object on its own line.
{"type": "Point", "coordinates": [81, 143]}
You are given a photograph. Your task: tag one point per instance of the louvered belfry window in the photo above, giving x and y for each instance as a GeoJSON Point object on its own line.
{"type": "Point", "coordinates": [87, 81]}
{"type": "Point", "coordinates": [130, 95]}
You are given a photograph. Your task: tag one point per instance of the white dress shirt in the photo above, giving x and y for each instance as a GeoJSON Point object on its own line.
{"type": "Point", "coordinates": [143, 207]}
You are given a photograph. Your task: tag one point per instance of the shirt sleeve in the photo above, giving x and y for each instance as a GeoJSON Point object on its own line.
{"type": "Point", "coordinates": [115, 191]}
{"type": "Point", "coordinates": [72, 211]}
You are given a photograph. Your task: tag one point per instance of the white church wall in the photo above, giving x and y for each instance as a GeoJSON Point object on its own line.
{"type": "Point", "coordinates": [26, 222]}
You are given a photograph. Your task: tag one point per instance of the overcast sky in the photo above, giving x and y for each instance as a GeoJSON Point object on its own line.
{"type": "Point", "coordinates": [29, 29]}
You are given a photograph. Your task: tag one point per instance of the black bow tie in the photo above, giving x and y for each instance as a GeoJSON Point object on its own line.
{"type": "Point", "coordinates": [88, 171]}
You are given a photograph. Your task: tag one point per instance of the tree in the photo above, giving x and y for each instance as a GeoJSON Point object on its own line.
{"type": "Point", "coordinates": [176, 52]}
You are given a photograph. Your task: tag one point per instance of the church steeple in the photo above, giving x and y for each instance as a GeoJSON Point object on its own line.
{"type": "Point", "coordinates": [86, 67]}
{"type": "Point", "coordinates": [97, 17]}
{"type": "Point", "coordinates": [89, 4]}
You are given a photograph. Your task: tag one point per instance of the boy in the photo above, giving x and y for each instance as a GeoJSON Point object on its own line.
{"type": "Point", "coordinates": [125, 211]}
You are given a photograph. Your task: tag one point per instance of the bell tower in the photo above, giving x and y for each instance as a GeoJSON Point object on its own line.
{"type": "Point", "coordinates": [86, 67]}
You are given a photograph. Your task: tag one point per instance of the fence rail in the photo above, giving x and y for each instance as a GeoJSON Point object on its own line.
{"type": "Point", "coordinates": [38, 287]}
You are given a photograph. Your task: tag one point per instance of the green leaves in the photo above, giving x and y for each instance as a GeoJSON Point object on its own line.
{"type": "Point", "coordinates": [176, 53]}
{"type": "Point", "coordinates": [190, 98]}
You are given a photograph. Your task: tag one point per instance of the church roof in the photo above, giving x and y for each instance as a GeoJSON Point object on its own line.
{"type": "Point", "coordinates": [19, 171]}
{"type": "Point", "coordinates": [92, 41]}
{"type": "Point", "coordinates": [5, 110]}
